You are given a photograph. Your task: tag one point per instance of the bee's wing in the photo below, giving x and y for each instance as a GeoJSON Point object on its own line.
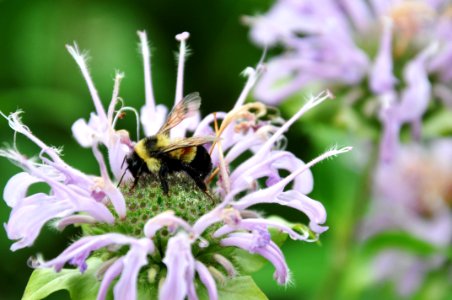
{"type": "Point", "coordinates": [188, 142]}
{"type": "Point", "coordinates": [184, 109]}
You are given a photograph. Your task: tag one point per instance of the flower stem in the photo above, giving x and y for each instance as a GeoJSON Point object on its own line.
{"type": "Point", "coordinates": [345, 239]}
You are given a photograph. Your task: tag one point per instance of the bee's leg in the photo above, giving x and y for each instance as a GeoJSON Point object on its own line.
{"type": "Point", "coordinates": [194, 174]}
{"type": "Point", "coordinates": [137, 177]}
{"type": "Point", "coordinates": [135, 183]}
{"type": "Point", "coordinates": [163, 174]}
{"type": "Point", "coordinates": [202, 185]}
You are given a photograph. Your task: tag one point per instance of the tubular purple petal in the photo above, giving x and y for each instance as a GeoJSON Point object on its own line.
{"type": "Point", "coordinates": [269, 167]}
{"type": "Point", "coordinates": [270, 251]}
{"type": "Point", "coordinates": [17, 186]}
{"type": "Point", "coordinates": [165, 219]}
{"type": "Point", "coordinates": [251, 224]}
{"type": "Point", "coordinates": [31, 214]}
{"type": "Point", "coordinates": [382, 78]}
{"type": "Point", "coordinates": [115, 196]}
{"type": "Point", "coordinates": [181, 266]}
{"type": "Point", "coordinates": [80, 59]}
{"type": "Point", "coordinates": [416, 96]}
{"type": "Point", "coordinates": [84, 246]}
{"type": "Point", "coordinates": [126, 287]}
{"type": "Point", "coordinates": [359, 13]}
{"type": "Point", "coordinates": [207, 279]}
{"type": "Point", "coordinates": [74, 219]}
{"type": "Point", "coordinates": [226, 264]}
{"type": "Point", "coordinates": [113, 271]}
{"type": "Point", "coordinates": [313, 209]}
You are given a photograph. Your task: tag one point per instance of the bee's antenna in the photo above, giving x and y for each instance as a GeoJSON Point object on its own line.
{"type": "Point", "coordinates": [123, 161]}
{"type": "Point", "coordinates": [123, 174]}
{"type": "Point", "coordinates": [217, 133]}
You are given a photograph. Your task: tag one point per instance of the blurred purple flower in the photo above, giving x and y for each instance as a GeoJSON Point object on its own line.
{"type": "Point", "coordinates": [77, 198]}
{"type": "Point", "coordinates": [400, 49]}
{"type": "Point", "coordinates": [414, 194]}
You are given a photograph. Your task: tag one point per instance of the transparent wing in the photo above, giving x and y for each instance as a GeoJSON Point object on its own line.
{"type": "Point", "coordinates": [184, 109]}
{"type": "Point", "coordinates": [188, 142]}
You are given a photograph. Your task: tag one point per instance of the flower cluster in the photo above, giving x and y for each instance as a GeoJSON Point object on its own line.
{"type": "Point", "coordinates": [414, 194]}
{"type": "Point", "coordinates": [392, 54]}
{"type": "Point", "coordinates": [387, 59]}
{"type": "Point", "coordinates": [172, 244]}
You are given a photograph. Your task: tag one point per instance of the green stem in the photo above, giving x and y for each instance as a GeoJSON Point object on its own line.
{"type": "Point", "coordinates": [344, 241]}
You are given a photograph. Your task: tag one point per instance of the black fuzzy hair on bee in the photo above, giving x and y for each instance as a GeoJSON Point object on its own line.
{"type": "Point", "coordinates": [160, 155]}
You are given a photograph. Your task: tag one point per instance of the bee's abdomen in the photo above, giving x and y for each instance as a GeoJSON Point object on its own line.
{"type": "Point", "coordinates": [185, 155]}
{"type": "Point", "coordinates": [201, 161]}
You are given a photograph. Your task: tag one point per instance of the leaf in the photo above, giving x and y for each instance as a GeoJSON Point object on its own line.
{"type": "Point", "coordinates": [404, 241]}
{"type": "Point", "coordinates": [246, 262]}
{"type": "Point", "coordinates": [44, 282]}
{"type": "Point", "coordinates": [242, 287]}
{"type": "Point", "coordinates": [439, 124]}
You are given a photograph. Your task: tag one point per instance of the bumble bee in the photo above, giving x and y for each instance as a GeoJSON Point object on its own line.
{"type": "Point", "coordinates": [160, 155]}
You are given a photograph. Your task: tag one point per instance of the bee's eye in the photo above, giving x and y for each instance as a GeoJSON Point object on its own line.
{"type": "Point", "coordinates": [150, 142]}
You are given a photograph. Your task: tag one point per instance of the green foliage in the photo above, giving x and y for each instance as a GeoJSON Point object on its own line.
{"type": "Point", "coordinates": [403, 241]}
{"type": "Point", "coordinates": [242, 287]}
{"type": "Point", "coordinates": [439, 124]}
{"type": "Point", "coordinates": [44, 282]}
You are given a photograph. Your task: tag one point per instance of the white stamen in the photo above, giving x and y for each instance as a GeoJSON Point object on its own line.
{"type": "Point", "coordinates": [115, 97]}
{"type": "Point", "coordinates": [182, 37]}
{"type": "Point", "coordinates": [137, 117]}
{"type": "Point", "coordinates": [312, 102]}
{"type": "Point", "coordinates": [150, 100]}
{"type": "Point", "coordinates": [252, 75]}
{"type": "Point", "coordinates": [16, 124]}
{"type": "Point", "coordinates": [80, 59]}
{"type": "Point", "coordinates": [327, 154]}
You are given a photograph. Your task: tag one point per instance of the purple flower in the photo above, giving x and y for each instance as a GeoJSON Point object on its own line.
{"type": "Point", "coordinates": [166, 245]}
{"type": "Point", "coordinates": [333, 43]}
{"type": "Point", "coordinates": [414, 195]}
{"type": "Point", "coordinates": [71, 191]}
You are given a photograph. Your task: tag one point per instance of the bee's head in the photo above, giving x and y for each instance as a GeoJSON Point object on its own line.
{"type": "Point", "coordinates": [151, 143]}
{"type": "Point", "coordinates": [134, 163]}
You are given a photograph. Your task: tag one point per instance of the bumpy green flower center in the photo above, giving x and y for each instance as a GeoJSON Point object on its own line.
{"type": "Point", "coordinates": [147, 200]}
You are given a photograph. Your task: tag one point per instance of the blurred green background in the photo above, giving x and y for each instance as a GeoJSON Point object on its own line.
{"type": "Point", "coordinates": [38, 76]}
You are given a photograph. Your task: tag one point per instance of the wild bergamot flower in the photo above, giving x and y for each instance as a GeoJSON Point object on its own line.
{"type": "Point", "coordinates": [145, 242]}
{"type": "Point", "coordinates": [414, 195]}
{"type": "Point", "coordinates": [387, 58]}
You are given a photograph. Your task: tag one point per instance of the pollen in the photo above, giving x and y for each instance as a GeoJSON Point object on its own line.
{"type": "Point", "coordinates": [411, 16]}
{"type": "Point", "coordinates": [99, 184]}
{"type": "Point", "coordinates": [433, 185]}
{"type": "Point", "coordinates": [410, 19]}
